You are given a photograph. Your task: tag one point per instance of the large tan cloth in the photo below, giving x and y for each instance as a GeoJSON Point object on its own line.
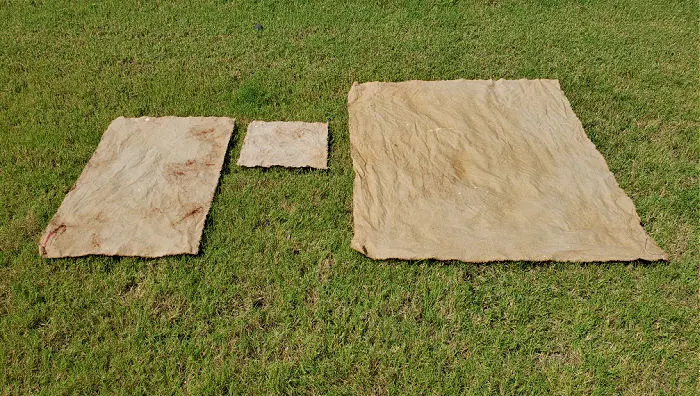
{"type": "Point", "coordinates": [146, 191]}
{"type": "Point", "coordinates": [483, 171]}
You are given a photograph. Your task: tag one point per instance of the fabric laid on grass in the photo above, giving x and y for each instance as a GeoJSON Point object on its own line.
{"type": "Point", "coordinates": [291, 144]}
{"type": "Point", "coordinates": [483, 171]}
{"type": "Point", "coordinates": [146, 191]}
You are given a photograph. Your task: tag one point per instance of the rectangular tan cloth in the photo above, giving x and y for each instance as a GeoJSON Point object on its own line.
{"type": "Point", "coordinates": [146, 191]}
{"type": "Point", "coordinates": [292, 144]}
{"type": "Point", "coordinates": [483, 171]}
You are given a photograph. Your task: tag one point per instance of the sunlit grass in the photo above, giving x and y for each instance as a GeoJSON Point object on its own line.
{"type": "Point", "coordinates": [277, 301]}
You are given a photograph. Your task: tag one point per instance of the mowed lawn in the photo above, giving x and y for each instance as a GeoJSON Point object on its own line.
{"type": "Point", "coordinates": [277, 301]}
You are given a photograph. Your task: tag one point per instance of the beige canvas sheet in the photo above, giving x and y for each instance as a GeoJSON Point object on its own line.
{"type": "Point", "coordinates": [483, 171]}
{"type": "Point", "coordinates": [292, 144]}
{"type": "Point", "coordinates": [146, 191]}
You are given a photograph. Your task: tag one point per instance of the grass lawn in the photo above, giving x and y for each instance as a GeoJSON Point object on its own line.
{"type": "Point", "coordinates": [277, 301]}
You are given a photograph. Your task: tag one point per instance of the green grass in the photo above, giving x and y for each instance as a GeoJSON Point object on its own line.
{"type": "Point", "coordinates": [277, 301]}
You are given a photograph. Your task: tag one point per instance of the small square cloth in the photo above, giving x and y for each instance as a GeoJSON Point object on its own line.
{"type": "Point", "coordinates": [290, 144]}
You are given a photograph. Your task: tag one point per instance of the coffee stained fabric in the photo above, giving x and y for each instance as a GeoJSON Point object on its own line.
{"type": "Point", "coordinates": [483, 171]}
{"type": "Point", "coordinates": [146, 191]}
{"type": "Point", "coordinates": [291, 144]}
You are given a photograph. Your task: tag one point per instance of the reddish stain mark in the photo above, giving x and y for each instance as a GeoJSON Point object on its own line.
{"type": "Point", "coordinates": [193, 212]}
{"type": "Point", "coordinates": [95, 241]}
{"type": "Point", "coordinates": [54, 233]}
{"type": "Point", "coordinates": [187, 168]}
{"type": "Point", "coordinates": [100, 217]}
{"type": "Point", "coordinates": [155, 212]}
{"type": "Point", "coordinates": [182, 169]}
{"type": "Point", "coordinates": [202, 133]}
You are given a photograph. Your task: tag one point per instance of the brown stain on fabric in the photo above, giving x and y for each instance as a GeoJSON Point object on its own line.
{"type": "Point", "coordinates": [203, 134]}
{"type": "Point", "coordinates": [458, 167]}
{"type": "Point", "coordinates": [211, 136]}
{"type": "Point", "coordinates": [188, 168]}
{"type": "Point", "coordinates": [193, 212]}
{"type": "Point", "coordinates": [95, 241]}
{"type": "Point", "coordinates": [51, 235]}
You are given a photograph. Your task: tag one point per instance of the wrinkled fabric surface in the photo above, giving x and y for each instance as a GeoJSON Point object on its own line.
{"type": "Point", "coordinates": [483, 171]}
{"type": "Point", "coordinates": [280, 143]}
{"type": "Point", "coordinates": [146, 191]}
